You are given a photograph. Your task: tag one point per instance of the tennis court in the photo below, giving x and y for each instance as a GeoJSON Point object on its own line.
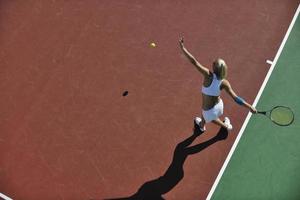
{"type": "Point", "coordinates": [98, 101]}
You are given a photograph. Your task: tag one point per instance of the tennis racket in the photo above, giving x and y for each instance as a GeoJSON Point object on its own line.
{"type": "Point", "coordinates": [280, 115]}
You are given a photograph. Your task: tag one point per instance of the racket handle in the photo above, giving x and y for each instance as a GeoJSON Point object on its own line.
{"type": "Point", "coordinates": [262, 112]}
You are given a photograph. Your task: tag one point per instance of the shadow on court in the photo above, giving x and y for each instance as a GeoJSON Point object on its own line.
{"type": "Point", "coordinates": [154, 189]}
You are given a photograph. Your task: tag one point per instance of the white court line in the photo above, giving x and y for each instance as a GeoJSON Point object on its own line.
{"type": "Point", "coordinates": [5, 197]}
{"type": "Point", "coordinates": [254, 104]}
{"type": "Point", "coordinates": [269, 62]}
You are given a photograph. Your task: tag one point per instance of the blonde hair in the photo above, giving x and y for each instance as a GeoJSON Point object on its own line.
{"type": "Point", "coordinates": [220, 68]}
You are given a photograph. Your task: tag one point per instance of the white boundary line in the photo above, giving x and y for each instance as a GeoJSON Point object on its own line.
{"type": "Point", "coordinates": [269, 62]}
{"type": "Point", "coordinates": [254, 104]}
{"type": "Point", "coordinates": [5, 197]}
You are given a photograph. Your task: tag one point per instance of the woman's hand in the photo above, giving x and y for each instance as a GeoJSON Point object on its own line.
{"type": "Point", "coordinates": [253, 110]}
{"type": "Point", "coordinates": [181, 42]}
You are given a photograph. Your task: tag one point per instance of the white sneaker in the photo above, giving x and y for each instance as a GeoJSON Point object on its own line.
{"type": "Point", "coordinates": [198, 121]}
{"type": "Point", "coordinates": [227, 123]}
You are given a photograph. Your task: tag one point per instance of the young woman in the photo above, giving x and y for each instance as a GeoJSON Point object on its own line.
{"type": "Point", "coordinates": [214, 82]}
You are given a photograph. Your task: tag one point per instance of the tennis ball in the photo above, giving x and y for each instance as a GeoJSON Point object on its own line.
{"type": "Point", "coordinates": [152, 44]}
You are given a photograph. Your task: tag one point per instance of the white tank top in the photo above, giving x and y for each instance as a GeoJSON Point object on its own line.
{"type": "Point", "coordinates": [214, 88]}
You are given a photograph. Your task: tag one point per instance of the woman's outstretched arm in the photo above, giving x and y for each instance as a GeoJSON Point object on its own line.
{"type": "Point", "coordinates": [226, 85]}
{"type": "Point", "coordinates": [193, 60]}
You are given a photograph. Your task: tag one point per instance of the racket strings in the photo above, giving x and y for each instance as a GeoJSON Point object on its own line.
{"type": "Point", "coordinates": [282, 116]}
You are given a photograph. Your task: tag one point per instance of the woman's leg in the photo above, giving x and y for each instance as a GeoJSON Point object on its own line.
{"type": "Point", "coordinates": [202, 124]}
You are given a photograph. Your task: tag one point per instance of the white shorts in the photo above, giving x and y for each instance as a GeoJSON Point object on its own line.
{"type": "Point", "coordinates": [213, 113]}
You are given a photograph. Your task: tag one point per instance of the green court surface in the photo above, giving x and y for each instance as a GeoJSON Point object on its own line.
{"type": "Point", "coordinates": [266, 161]}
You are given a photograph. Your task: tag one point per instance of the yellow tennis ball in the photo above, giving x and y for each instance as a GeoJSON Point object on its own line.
{"type": "Point", "coordinates": [152, 44]}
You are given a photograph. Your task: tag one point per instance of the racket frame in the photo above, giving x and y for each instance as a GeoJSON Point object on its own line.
{"type": "Point", "coordinates": [269, 112]}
